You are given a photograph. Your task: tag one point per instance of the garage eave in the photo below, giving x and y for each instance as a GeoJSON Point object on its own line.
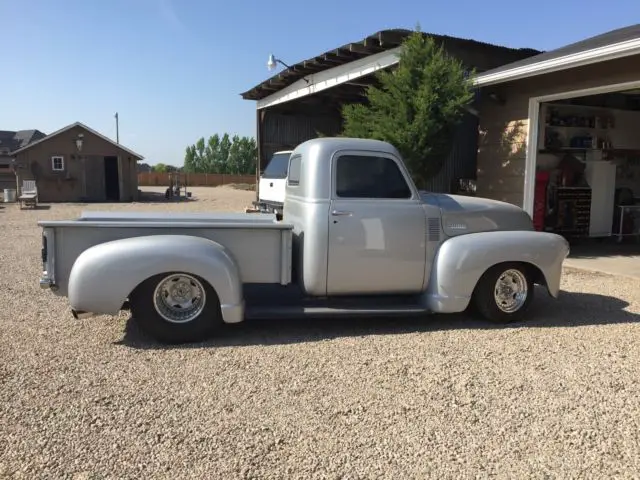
{"type": "Point", "coordinates": [579, 59]}
{"type": "Point", "coordinates": [320, 81]}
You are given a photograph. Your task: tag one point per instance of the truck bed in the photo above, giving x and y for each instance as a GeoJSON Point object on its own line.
{"type": "Point", "coordinates": [260, 245]}
{"type": "Point", "coordinates": [217, 218]}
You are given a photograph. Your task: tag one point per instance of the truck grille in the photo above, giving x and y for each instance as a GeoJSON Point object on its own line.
{"type": "Point", "coordinates": [433, 229]}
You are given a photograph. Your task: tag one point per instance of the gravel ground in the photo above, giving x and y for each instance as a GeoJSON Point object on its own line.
{"type": "Point", "coordinates": [441, 397]}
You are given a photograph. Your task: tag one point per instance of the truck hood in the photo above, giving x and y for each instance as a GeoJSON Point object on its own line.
{"type": "Point", "coordinates": [462, 214]}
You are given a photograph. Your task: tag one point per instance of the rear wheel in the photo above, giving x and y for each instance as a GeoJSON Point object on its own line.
{"type": "Point", "coordinates": [504, 293]}
{"type": "Point", "coordinates": [176, 307]}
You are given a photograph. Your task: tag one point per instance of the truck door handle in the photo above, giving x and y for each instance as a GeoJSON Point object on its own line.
{"type": "Point", "coordinates": [340, 213]}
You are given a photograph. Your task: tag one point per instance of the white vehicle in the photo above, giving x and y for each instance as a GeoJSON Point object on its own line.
{"type": "Point", "coordinates": [272, 186]}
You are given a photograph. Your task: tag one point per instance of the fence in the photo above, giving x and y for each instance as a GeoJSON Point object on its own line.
{"type": "Point", "coordinates": [155, 179]}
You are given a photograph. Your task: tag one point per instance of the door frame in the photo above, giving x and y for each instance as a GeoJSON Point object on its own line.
{"type": "Point", "coordinates": [534, 131]}
{"type": "Point", "coordinates": [413, 200]}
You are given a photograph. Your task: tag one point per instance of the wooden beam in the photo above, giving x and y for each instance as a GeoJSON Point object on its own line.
{"type": "Point", "coordinates": [259, 142]}
{"type": "Point", "coordinates": [391, 39]}
{"type": "Point", "coordinates": [342, 53]}
{"type": "Point", "coordinates": [332, 60]}
{"type": "Point", "coordinates": [312, 65]}
{"type": "Point", "coordinates": [372, 42]}
{"type": "Point", "coordinates": [357, 48]}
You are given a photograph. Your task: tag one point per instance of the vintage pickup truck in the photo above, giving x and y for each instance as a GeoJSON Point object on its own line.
{"type": "Point", "coordinates": [357, 238]}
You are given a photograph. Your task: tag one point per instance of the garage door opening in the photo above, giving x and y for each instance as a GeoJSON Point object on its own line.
{"type": "Point", "coordinates": [585, 154]}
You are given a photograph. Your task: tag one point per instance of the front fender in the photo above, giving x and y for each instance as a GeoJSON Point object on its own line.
{"type": "Point", "coordinates": [104, 275]}
{"type": "Point", "coordinates": [461, 261]}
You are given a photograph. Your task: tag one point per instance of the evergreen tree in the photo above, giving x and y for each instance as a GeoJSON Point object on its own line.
{"type": "Point", "coordinates": [416, 106]}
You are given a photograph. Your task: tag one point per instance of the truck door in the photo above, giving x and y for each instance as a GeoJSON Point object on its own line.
{"type": "Point", "coordinates": [377, 227]}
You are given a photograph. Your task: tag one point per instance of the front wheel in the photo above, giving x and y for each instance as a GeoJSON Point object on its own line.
{"type": "Point", "coordinates": [176, 307]}
{"type": "Point", "coordinates": [504, 293]}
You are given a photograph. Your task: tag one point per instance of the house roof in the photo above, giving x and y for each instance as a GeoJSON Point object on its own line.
{"type": "Point", "coordinates": [81, 125]}
{"type": "Point", "coordinates": [378, 42]}
{"type": "Point", "coordinates": [10, 140]}
{"type": "Point", "coordinates": [607, 46]}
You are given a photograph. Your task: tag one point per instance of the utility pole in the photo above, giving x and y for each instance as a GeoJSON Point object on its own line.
{"type": "Point", "coordinates": [117, 130]}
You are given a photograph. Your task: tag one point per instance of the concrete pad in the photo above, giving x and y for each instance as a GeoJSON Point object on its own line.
{"type": "Point", "coordinates": [607, 257]}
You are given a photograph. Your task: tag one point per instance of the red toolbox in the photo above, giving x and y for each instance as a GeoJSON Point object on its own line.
{"type": "Point", "coordinates": [540, 200]}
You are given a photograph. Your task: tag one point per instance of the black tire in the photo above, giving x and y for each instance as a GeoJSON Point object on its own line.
{"type": "Point", "coordinates": [484, 296]}
{"type": "Point", "coordinates": [152, 321]}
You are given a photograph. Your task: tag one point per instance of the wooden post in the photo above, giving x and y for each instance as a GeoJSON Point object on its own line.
{"type": "Point", "coordinates": [259, 120]}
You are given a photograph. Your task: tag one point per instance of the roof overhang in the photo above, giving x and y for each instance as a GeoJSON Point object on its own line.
{"type": "Point", "coordinates": [83, 126]}
{"type": "Point", "coordinates": [332, 77]}
{"type": "Point", "coordinates": [578, 59]}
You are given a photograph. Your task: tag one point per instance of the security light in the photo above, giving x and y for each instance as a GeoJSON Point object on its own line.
{"type": "Point", "coordinates": [79, 141]}
{"type": "Point", "coordinates": [272, 61]}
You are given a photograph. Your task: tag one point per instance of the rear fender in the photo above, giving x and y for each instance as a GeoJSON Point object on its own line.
{"type": "Point", "coordinates": [461, 261]}
{"type": "Point", "coordinates": [104, 275]}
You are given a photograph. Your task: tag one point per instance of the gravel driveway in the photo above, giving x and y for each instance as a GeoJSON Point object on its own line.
{"type": "Point", "coordinates": [439, 397]}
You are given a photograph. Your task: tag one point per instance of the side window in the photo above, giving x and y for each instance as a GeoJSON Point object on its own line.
{"type": "Point", "coordinates": [57, 163]}
{"type": "Point", "coordinates": [294, 170]}
{"type": "Point", "coordinates": [369, 176]}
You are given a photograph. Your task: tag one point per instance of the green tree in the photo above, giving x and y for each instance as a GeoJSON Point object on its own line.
{"type": "Point", "coordinates": [416, 106]}
{"type": "Point", "coordinates": [248, 156]}
{"type": "Point", "coordinates": [234, 161]}
{"type": "Point", "coordinates": [222, 154]}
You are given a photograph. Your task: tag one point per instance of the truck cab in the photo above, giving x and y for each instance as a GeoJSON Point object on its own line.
{"type": "Point", "coordinates": [359, 224]}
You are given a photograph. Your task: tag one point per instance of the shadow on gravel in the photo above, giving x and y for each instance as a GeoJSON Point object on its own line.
{"type": "Point", "coordinates": [610, 248]}
{"type": "Point", "coordinates": [146, 196]}
{"type": "Point", "coordinates": [37, 207]}
{"type": "Point", "coordinates": [570, 310]}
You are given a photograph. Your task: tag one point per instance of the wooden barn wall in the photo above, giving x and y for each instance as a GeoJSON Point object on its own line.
{"type": "Point", "coordinates": [286, 131]}
{"type": "Point", "coordinates": [461, 162]}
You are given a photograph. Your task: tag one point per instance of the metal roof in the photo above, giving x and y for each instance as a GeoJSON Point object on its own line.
{"type": "Point", "coordinates": [378, 42]}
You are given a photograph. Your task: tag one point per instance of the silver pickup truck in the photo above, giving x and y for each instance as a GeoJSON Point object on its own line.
{"type": "Point", "coordinates": [357, 238]}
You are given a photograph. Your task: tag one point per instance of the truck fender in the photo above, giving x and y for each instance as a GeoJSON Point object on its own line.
{"type": "Point", "coordinates": [461, 261]}
{"type": "Point", "coordinates": [104, 275]}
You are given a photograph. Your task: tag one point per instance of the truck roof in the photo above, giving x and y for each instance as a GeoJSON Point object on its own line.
{"type": "Point", "coordinates": [327, 144]}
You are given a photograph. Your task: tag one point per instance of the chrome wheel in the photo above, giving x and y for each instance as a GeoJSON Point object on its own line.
{"type": "Point", "coordinates": [511, 290]}
{"type": "Point", "coordinates": [179, 298]}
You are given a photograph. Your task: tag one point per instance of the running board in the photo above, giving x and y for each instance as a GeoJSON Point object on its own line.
{"type": "Point", "coordinates": [282, 312]}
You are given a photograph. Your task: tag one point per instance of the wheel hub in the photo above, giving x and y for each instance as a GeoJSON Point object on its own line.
{"type": "Point", "coordinates": [179, 298]}
{"type": "Point", "coordinates": [511, 291]}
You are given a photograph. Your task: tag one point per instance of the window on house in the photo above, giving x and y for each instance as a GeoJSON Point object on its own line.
{"type": "Point", "coordinates": [57, 163]}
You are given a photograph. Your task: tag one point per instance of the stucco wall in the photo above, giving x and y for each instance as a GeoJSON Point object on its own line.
{"type": "Point", "coordinates": [504, 127]}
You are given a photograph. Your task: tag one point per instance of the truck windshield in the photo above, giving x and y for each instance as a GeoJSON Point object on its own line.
{"type": "Point", "coordinates": [277, 167]}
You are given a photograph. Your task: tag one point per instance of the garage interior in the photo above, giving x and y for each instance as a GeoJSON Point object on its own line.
{"type": "Point", "coordinates": [587, 183]}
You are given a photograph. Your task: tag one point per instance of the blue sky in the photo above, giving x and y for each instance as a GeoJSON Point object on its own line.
{"type": "Point", "coordinates": [174, 69]}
